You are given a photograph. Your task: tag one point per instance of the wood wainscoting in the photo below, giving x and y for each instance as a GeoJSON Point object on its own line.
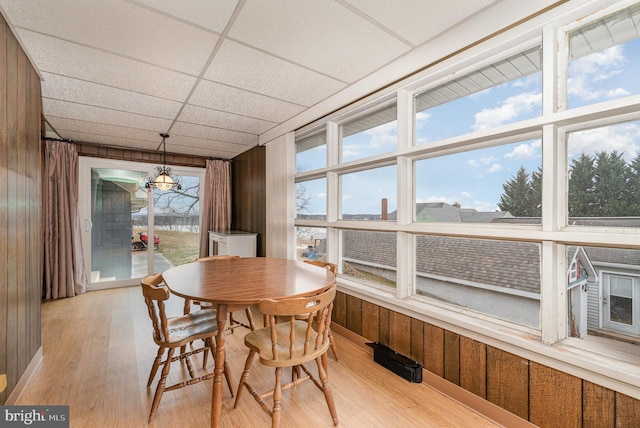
{"type": "Point", "coordinates": [541, 395]}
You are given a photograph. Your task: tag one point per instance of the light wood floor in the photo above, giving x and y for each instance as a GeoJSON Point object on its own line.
{"type": "Point", "coordinates": [98, 350]}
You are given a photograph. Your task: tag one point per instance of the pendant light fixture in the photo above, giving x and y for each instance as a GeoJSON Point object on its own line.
{"type": "Point", "coordinates": [163, 180]}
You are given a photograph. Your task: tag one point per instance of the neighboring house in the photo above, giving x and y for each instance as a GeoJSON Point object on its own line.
{"type": "Point", "coordinates": [502, 278]}
{"type": "Point", "coordinates": [442, 212]}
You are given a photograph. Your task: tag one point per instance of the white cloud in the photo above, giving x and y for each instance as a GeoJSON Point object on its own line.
{"type": "Point", "coordinates": [378, 138]}
{"type": "Point", "coordinates": [598, 66]}
{"type": "Point", "coordinates": [511, 108]}
{"type": "Point", "coordinates": [623, 138]}
{"type": "Point", "coordinates": [524, 150]}
{"type": "Point", "coordinates": [422, 118]}
{"type": "Point", "coordinates": [487, 159]}
{"type": "Point", "coordinates": [495, 168]}
{"type": "Point", "coordinates": [472, 163]}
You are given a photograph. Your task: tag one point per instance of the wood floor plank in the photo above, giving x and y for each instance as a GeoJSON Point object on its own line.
{"type": "Point", "coordinates": [98, 351]}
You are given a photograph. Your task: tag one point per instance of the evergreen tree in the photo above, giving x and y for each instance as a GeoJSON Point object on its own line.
{"type": "Point", "coordinates": [633, 187]}
{"type": "Point", "coordinates": [603, 185]}
{"type": "Point", "coordinates": [581, 187]}
{"type": "Point", "coordinates": [514, 199]}
{"type": "Point", "coordinates": [534, 194]}
{"type": "Point", "coordinates": [610, 185]}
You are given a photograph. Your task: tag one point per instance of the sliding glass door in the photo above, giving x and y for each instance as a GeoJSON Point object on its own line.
{"type": "Point", "coordinates": [129, 231]}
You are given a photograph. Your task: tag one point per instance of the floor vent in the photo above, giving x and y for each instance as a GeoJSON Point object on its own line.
{"type": "Point", "coordinates": [397, 363]}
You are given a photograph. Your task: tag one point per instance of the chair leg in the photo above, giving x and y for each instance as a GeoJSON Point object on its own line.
{"type": "Point", "coordinates": [252, 325]}
{"type": "Point", "coordinates": [276, 413]}
{"type": "Point", "coordinates": [326, 389]}
{"type": "Point", "coordinates": [161, 385]}
{"type": "Point", "coordinates": [245, 376]}
{"type": "Point", "coordinates": [156, 364]}
{"type": "Point", "coordinates": [334, 348]}
{"type": "Point", "coordinates": [205, 357]}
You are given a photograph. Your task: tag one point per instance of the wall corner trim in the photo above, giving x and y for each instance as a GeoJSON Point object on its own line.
{"type": "Point", "coordinates": [25, 378]}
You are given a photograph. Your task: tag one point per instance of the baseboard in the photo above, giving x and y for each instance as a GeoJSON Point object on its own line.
{"type": "Point", "coordinates": [479, 405]}
{"type": "Point", "coordinates": [25, 378]}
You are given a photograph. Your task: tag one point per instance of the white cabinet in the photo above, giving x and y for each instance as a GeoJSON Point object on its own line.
{"type": "Point", "coordinates": [233, 243]}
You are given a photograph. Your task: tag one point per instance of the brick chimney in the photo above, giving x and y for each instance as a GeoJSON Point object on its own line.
{"type": "Point", "coordinates": [385, 214]}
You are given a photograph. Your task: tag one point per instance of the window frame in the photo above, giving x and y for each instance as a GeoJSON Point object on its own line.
{"type": "Point", "coordinates": [554, 233]}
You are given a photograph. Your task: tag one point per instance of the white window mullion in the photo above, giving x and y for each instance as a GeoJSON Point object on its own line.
{"type": "Point", "coordinates": [333, 195]}
{"type": "Point", "coordinates": [405, 250]}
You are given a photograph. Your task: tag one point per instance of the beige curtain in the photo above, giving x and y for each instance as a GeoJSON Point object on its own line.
{"type": "Point", "coordinates": [216, 205]}
{"type": "Point", "coordinates": [64, 270]}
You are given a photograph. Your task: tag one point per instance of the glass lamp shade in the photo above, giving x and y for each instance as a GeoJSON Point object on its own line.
{"type": "Point", "coordinates": [164, 181]}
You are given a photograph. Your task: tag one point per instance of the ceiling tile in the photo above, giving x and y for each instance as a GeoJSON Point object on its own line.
{"type": "Point", "coordinates": [78, 91]}
{"type": "Point", "coordinates": [177, 144]}
{"type": "Point", "coordinates": [221, 97]}
{"type": "Point", "coordinates": [321, 35]}
{"type": "Point", "coordinates": [211, 14]}
{"type": "Point", "coordinates": [211, 133]}
{"type": "Point", "coordinates": [243, 67]}
{"type": "Point", "coordinates": [65, 125]}
{"type": "Point", "coordinates": [64, 58]}
{"type": "Point", "coordinates": [418, 20]}
{"type": "Point", "coordinates": [203, 116]}
{"type": "Point", "coordinates": [120, 27]}
{"type": "Point", "coordinates": [102, 115]}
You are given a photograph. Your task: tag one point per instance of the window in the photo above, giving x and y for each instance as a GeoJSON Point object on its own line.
{"type": "Point", "coordinates": [311, 153]}
{"type": "Point", "coordinates": [604, 59]}
{"type": "Point", "coordinates": [480, 186]}
{"type": "Point", "coordinates": [311, 243]}
{"type": "Point", "coordinates": [604, 175]}
{"type": "Point", "coordinates": [311, 199]}
{"type": "Point", "coordinates": [369, 256]}
{"type": "Point", "coordinates": [370, 135]}
{"type": "Point", "coordinates": [507, 91]}
{"type": "Point", "coordinates": [369, 194]}
{"type": "Point", "coordinates": [498, 278]}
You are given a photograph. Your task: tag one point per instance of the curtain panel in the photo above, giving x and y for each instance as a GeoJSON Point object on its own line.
{"type": "Point", "coordinates": [64, 270]}
{"type": "Point", "coordinates": [216, 206]}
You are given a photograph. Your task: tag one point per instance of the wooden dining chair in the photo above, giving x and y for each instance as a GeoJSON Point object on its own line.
{"type": "Point", "coordinates": [172, 333]}
{"type": "Point", "coordinates": [233, 322]}
{"type": "Point", "coordinates": [334, 270]}
{"type": "Point", "coordinates": [291, 342]}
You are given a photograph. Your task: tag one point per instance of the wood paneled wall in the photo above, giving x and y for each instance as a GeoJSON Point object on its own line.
{"type": "Point", "coordinates": [544, 396]}
{"type": "Point", "coordinates": [20, 210]}
{"type": "Point", "coordinates": [120, 153]}
{"type": "Point", "coordinates": [249, 194]}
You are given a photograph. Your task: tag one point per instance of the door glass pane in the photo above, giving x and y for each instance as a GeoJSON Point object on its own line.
{"type": "Point", "coordinates": [621, 294]}
{"type": "Point", "coordinates": [115, 198]}
{"type": "Point", "coordinates": [177, 223]}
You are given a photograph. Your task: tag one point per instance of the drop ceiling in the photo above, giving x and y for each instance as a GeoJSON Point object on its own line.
{"type": "Point", "coordinates": [222, 76]}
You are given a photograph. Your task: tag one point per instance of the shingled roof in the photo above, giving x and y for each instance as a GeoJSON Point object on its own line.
{"type": "Point", "coordinates": [507, 264]}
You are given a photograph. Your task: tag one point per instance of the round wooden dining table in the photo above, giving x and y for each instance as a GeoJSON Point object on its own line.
{"type": "Point", "coordinates": [237, 283]}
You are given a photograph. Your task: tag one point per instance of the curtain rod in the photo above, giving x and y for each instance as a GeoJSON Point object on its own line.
{"type": "Point", "coordinates": [64, 140]}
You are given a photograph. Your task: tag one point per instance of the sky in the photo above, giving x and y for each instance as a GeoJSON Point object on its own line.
{"type": "Point", "coordinates": [475, 178]}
